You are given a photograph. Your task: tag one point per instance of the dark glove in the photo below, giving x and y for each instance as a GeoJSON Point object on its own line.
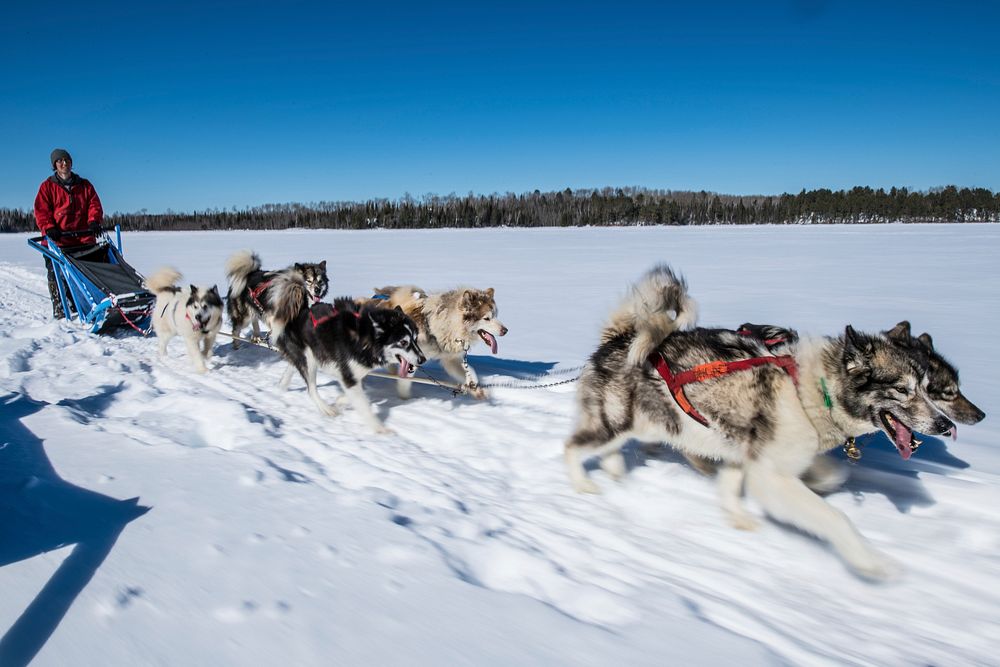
{"type": "Point", "coordinates": [95, 228]}
{"type": "Point", "coordinates": [54, 233]}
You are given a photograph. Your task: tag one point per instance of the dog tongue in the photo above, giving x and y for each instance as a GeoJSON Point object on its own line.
{"type": "Point", "coordinates": [404, 368]}
{"type": "Point", "coordinates": [954, 433]}
{"type": "Point", "coordinates": [492, 341]}
{"type": "Point", "coordinates": [903, 438]}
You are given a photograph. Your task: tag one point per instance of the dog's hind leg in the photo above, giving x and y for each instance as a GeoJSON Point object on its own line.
{"type": "Point", "coordinates": [286, 377]}
{"type": "Point", "coordinates": [309, 375]}
{"type": "Point", "coordinates": [730, 488]}
{"type": "Point", "coordinates": [236, 319]}
{"type": "Point", "coordinates": [786, 498]}
{"type": "Point", "coordinates": [581, 446]}
{"type": "Point", "coordinates": [164, 339]}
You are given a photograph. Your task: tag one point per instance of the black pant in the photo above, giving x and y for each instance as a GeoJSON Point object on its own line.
{"type": "Point", "coordinates": [81, 252]}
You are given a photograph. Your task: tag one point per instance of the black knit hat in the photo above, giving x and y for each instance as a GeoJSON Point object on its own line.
{"type": "Point", "coordinates": [58, 154]}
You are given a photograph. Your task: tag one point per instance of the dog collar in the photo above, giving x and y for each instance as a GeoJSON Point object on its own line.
{"type": "Point", "coordinates": [851, 448]}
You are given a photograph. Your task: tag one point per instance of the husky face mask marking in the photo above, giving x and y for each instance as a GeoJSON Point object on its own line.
{"type": "Point", "coordinates": [203, 306]}
{"type": "Point", "coordinates": [398, 337]}
{"type": "Point", "coordinates": [888, 384]}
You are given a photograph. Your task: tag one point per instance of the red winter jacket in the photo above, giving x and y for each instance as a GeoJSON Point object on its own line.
{"type": "Point", "coordinates": [72, 206]}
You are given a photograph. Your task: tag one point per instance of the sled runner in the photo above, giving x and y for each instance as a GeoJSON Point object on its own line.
{"type": "Point", "coordinates": [96, 282]}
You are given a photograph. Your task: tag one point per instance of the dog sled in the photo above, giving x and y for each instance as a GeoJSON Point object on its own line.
{"type": "Point", "coordinates": [98, 284]}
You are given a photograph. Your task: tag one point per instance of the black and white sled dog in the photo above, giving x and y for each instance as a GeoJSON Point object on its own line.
{"type": "Point", "coordinates": [450, 323]}
{"type": "Point", "coordinates": [716, 394]}
{"type": "Point", "coordinates": [250, 289]}
{"type": "Point", "coordinates": [194, 314]}
{"type": "Point", "coordinates": [345, 339]}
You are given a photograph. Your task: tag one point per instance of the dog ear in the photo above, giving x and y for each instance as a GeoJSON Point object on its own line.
{"type": "Point", "coordinates": [398, 308]}
{"type": "Point", "coordinates": [926, 339]}
{"type": "Point", "coordinates": [375, 326]}
{"type": "Point", "coordinates": [214, 290]}
{"type": "Point", "coordinates": [466, 298]}
{"type": "Point", "coordinates": [857, 352]}
{"type": "Point", "coordinates": [194, 289]}
{"type": "Point", "coordinates": [322, 265]}
{"type": "Point", "coordinates": [489, 292]}
{"type": "Point", "coordinates": [900, 333]}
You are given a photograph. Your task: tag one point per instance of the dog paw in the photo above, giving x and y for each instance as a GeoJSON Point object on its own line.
{"type": "Point", "coordinates": [876, 566]}
{"type": "Point", "coordinates": [476, 392]}
{"type": "Point", "coordinates": [742, 521]}
{"type": "Point", "coordinates": [614, 465]}
{"type": "Point", "coordinates": [585, 485]}
{"type": "Point", "coordinates": [382, 429]}
{"type": "Point", "coordinates": [329, 410]}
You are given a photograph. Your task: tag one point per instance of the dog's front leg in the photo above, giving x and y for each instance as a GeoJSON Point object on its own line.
{"type": "Point", "coordinates": [356, 395]}
{"type": "Point", "coordinates": [194, 351]}
{"type": "Point", "coordinates": [730, 487]}
{"type": "Point", "coordinates": [460, 369]}
{"type": "Point", "coordinates": [208, 344]}
{"type": "Point", "coordinates": [787, 499]}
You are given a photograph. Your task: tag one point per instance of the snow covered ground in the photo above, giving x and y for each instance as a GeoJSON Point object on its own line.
{"type": "Point", "coordinates": [264, 533]}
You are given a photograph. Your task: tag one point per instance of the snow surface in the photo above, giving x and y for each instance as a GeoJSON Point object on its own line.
{"type": "Point", "coordinates": [265, 533]}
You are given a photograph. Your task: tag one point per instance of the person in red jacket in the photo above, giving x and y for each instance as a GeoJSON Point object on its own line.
{"type": "Point", "coordinates": [68, 211]}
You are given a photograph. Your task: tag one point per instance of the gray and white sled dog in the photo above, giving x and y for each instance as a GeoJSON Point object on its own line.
{"type": "Point", "coordinates": [344, 339]}
{"type": "Point", "coordinates": [248, 299]}
{"type": "Point", "coordinates": [450, 323]}
{"type": "Point", "coordinates": [941, 382]}
{"type": "Point", "coordinates": [194, 314]}
{"type": "Point", "coordinates": [766, 421]}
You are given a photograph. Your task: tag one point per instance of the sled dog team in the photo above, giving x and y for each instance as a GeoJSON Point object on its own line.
{"type": "Point", "coordinates": [399, 327]}
{"type": "Point", "coordinates": [757, 406]}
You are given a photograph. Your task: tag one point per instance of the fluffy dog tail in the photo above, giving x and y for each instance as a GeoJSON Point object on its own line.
{"type": "Point", "coordinates": [240, 265]}
{"type": "Point", "coordinates": [163, 280]}
{"type": "Point", "coordinates": [656, 306]}
{"type": "Point", "coordinates": [287, 297]}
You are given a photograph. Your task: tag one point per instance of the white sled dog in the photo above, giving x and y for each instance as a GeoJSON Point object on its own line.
{"type": "Point", "coordinates": [450, 323]}
{"type": "Point", "coordinates": [194, 314]}
{"type": "Point", "coordinates": [715, 394]}
{"type": "Point", "coordinates": [344, 339]}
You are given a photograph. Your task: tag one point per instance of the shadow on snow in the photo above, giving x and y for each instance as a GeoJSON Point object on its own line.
{"type": "Point", "coordinates": [39, 512]}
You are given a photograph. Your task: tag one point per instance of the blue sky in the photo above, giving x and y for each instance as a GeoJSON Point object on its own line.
{"type": "Point", "coordinates": [191, 106]}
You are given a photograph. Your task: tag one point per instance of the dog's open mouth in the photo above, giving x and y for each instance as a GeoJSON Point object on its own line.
{"type": "Point", "coordinates": [405, 368]}
{"type": "Point", "coordinates": [489, 339]}
{"type": "Point", "coordinates": [899, 433]}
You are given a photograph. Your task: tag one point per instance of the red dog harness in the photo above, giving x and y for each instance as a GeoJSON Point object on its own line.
{"type": "Point", "coordinates": [710, 371]}
{"type": "Point", "coordinates": [316, 321]}
{"type": "Point", "coordinates": [256, 292]}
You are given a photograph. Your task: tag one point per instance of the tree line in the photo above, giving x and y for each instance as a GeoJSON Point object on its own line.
{"type": "Point", "coordinates": [603, 207]}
